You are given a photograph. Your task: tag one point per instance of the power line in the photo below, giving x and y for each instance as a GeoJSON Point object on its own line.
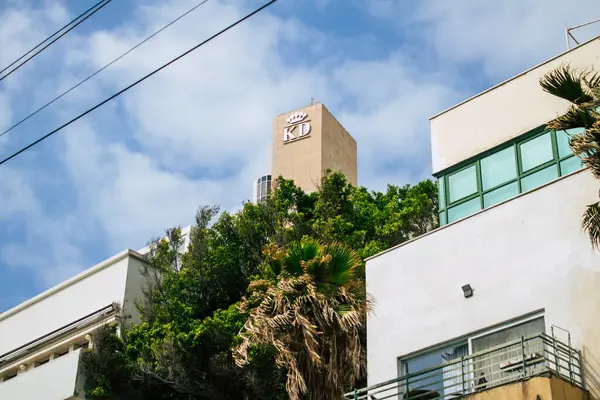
{"type": "Point", "coordinates": [46, 136]}
{"type": "Point", "coordinates": [102, 69]}
{"type": "Point", "coordinates": [101, 4]}
{"type": "Point", "coordinates": [50, 37]}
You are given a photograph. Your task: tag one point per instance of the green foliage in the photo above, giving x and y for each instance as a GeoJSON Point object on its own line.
{"type": "Point", "coordinates": [193, 307]}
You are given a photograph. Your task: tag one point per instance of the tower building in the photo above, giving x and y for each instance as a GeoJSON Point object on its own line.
{"type": "Point", "coordinates": [309, 141]}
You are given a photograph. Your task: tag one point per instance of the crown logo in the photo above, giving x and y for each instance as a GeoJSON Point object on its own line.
{"type": "Point", "coordinates": [296, 117]}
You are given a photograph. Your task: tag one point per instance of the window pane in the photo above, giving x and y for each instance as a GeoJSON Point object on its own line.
{"type": "Point", "coordinates": [442, 192]}
{"type": "Point", "coordinates": [462, 183]}
{"type": "Point", "coordinates": [570, 164]}
{"type": "Point", "coordinates": [539, 178]}
{"type": "Point", "coordinates": [498, 168]}
{"type": "Point", "coordinates": [443, 381]}
{"type": "Point", "coordinates": [443, 218]}
{"type": "Point", "coordinates": [499, 195]}
{"type": "Point", "coordinates": [464, 209]}
{"type": "Point", "coordinates": [536, 152]}
{"type": "Point", "coordinates": [562, 141]}
{"type": "Point", "coordinates": [489, 364]}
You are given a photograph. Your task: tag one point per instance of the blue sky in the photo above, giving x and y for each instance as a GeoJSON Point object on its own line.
{"type": "Point", "coordinates": [199, 132]}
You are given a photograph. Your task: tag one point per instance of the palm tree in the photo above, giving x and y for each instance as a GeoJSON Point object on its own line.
{"type": "Point", "coordinates": [311, 308]}
{"type": "Point", "coordinates": [582, 89]}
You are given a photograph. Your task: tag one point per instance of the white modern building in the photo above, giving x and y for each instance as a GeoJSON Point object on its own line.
{"type": "Point", "coordinates": [504, 297]}
{"type": "Point", "coordinates": [41, 339]}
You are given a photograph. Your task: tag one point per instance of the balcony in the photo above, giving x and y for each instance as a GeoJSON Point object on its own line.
{"type": "Point", "coordinates": [59, 379]}
{"type": "Point", "coordinates": [541, 362]}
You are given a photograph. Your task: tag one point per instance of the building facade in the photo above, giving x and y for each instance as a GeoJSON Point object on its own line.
{"type": "Point", "coordinates": [308, 142]}
{"type": "Point", "coordinates": [506, 288]}
{"type": "Point", "coordinates": [42, 339]}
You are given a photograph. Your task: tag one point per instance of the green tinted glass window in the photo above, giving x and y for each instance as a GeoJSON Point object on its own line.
{"type": "Point", "coordinates": [464, 209]}
{"type": "Point", "coordinates": [562, 142]}
{"type": "Point", "coordinates": [536, 151]}
{"type": "Point", "coordinates": [539, 178]}
{"type": "Point", "coordinates": [443, 218]}
{"type": "Point", "coordinates": [499, 195]}
{"type": "Point", "coordinates": [498, 168]}
{"type": "Point", "coordinates": [463, 183]}
{"type": "Point", "coordinates": [569, 165]}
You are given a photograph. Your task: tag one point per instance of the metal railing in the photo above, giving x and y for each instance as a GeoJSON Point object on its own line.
{"type": "Point", "coordinates": [509, 362]}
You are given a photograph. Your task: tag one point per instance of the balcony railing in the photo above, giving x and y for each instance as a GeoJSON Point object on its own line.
{"type": "Point", "coordinates": [509, 362]}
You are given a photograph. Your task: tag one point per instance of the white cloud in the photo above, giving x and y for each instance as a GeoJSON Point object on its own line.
{"type": "Point", "coordinates": [505, 37]}
{"type": "Point", "coordinates": [199, 132]}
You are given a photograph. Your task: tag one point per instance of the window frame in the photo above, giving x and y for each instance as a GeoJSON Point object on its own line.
{"type": "Point", "coordinates": [402, 361]}
{"type": "Point", "coordinates": [515, 143]}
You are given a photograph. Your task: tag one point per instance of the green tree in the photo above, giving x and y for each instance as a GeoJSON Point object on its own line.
{"type": "Point", "coordinates": [582, 89]}
{"type": "Point", "coordinates": [197, 300]}
{"type": "Point", "coordinates": [311, 308]}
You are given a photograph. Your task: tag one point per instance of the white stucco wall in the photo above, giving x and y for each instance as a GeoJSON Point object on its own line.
{"type": "Point", "coordinates": [73, 300]}
{"type": "Point", "coordinates": [503, 112]}
{"type": "Point", "coordinates": [520, 256]}
{"type": "Point", "coordinates": [55, 380]}
{"type": "Point", "coordinates": [133, 290]}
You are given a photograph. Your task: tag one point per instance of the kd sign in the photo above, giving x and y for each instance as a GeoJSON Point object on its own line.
{"type": "Point", "coordinates": [297, 128]}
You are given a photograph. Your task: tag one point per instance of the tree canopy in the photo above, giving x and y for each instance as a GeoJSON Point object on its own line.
{"type": "Point", "coordinates": [266, 303]}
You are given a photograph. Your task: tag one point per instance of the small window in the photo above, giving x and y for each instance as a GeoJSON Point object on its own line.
{"type": "Point", "coordinates": [562, 141]}
{"type": "Point", "coordinates": [462, 210]}
{"type": "Point", "coordinates": [571, 164]}
{"type": "Point", "coordinates": [499, 195]}
{"type": "Point", "coordinates": [539, 178]}
{"type": "Point", "coordinates": [10, 375]}
{"type": "Point", "coordinates": [498, 168]}
{"type": "Point", "coordinates": [41, 362]}
{"type": "Point", "coordinates": [463, 183]}
{"type": "Point", "coordinates": [61, 353]}
{"type": "Point", "coordinates": [536, 152]}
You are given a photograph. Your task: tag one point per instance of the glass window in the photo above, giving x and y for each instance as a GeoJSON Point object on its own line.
{"type": "Point", "coordinates": [536, 151]}
{"type": "Point", "coordinates": [463, 183]}
{"type": "Point", "coordinates": [443, 381]}
{"type": "Point", "coordinates": [498, 168]}
{"type": "Point", "coordinates": [489, 364]}
{"type": "Point", "coordinates": [442, 192]}
{"type": "Point", "coordinates": [571, 164]}
{"type": "Point", "coordinates": [499, 195]}
{"type": "Point", "coordinates": [539, 178]}
{"type": "Point", "coordinates": [462, 210]}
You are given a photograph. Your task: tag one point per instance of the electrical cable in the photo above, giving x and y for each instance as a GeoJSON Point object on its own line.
{"type": "Point", "coordinates": [104, 3]}
{"type": "Point", "coordinates": [103, 68]}
{"type": "Point", "coordinates": [46, 136]}
{"type": "Point", "coordinates": [51, 36]}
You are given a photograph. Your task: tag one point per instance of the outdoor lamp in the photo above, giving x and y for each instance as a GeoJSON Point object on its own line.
{"type": "Point", "coordinates": [467, 290]}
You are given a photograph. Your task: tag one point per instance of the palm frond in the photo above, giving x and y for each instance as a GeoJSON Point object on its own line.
{"type": "Point", "coordinates": [591, 224]}
{"type": "Point", "coordinates": [343, 264]}
{"type": "Point", "coordinates": [575, 117]}
{"type": "Point", "coordinates": [294, 259]}
{"type": "Point", "coordinates": [567, 84]}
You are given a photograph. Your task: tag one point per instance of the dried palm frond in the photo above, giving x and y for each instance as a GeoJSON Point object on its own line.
{"type": "Point", "coordinates": [591, 223]}
{"type": "Point", "coordinates": [313, 315]}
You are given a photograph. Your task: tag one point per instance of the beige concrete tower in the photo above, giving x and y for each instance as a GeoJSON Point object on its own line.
{"type": "Point", "coordinates": [307, 142]}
